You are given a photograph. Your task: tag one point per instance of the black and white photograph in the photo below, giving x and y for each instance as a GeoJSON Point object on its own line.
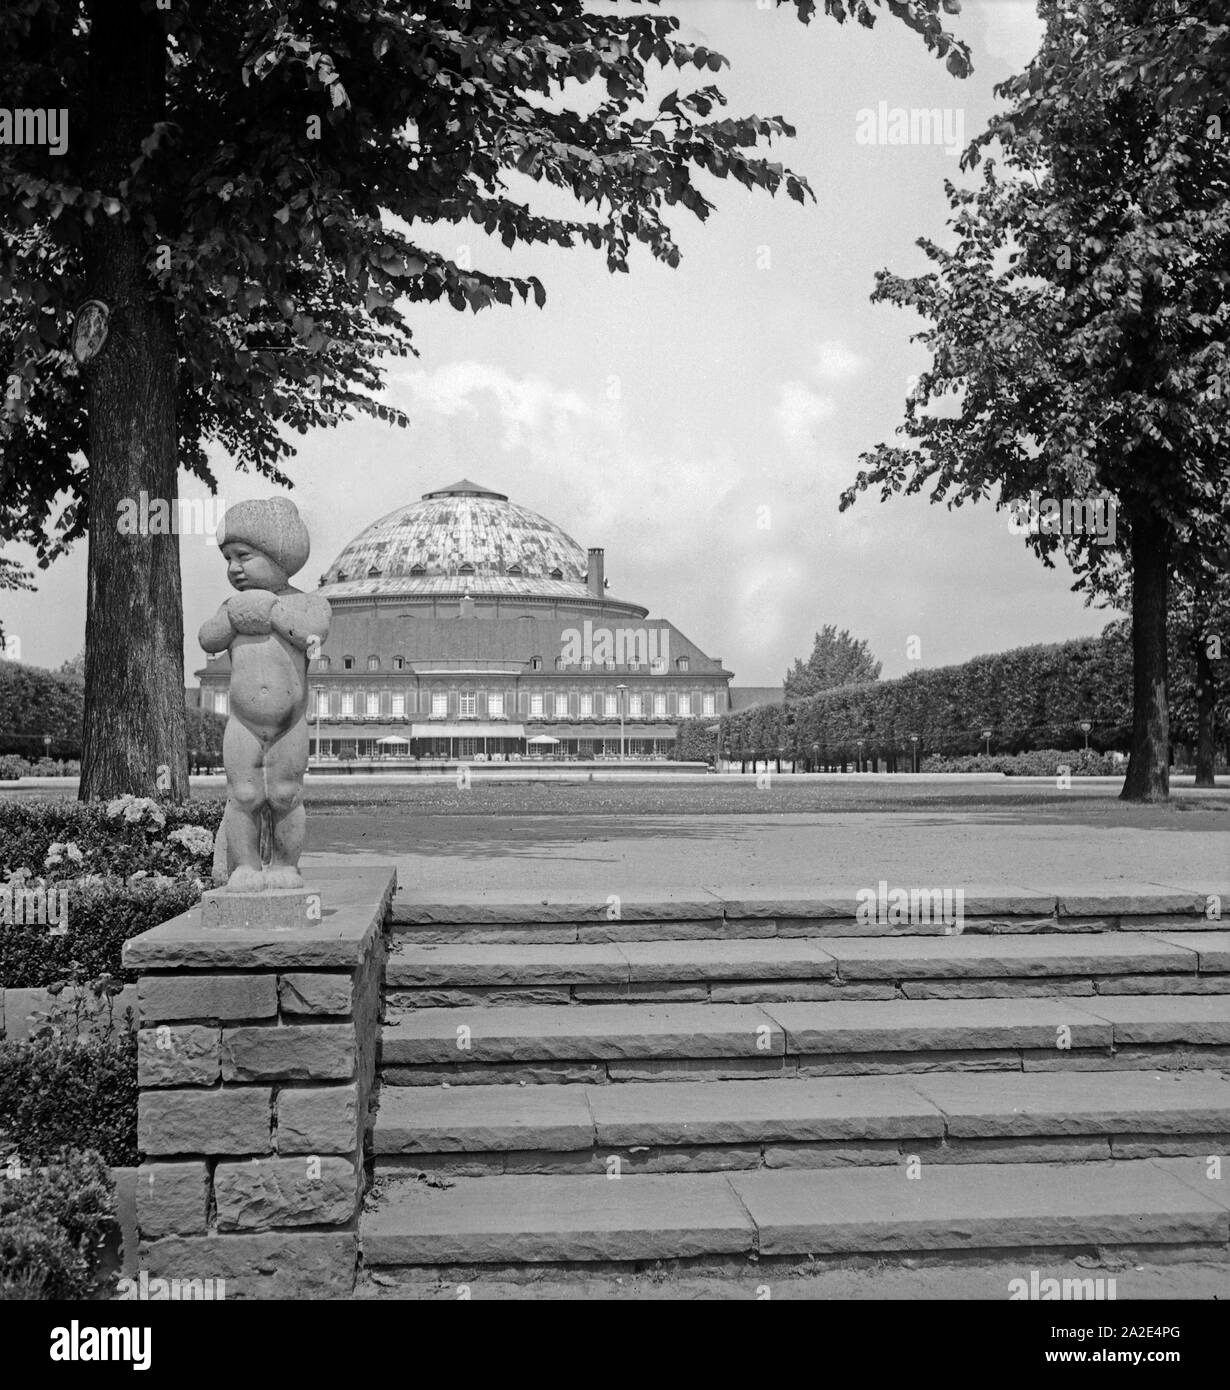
{"type": "Point", "coordinates": [614, 669]}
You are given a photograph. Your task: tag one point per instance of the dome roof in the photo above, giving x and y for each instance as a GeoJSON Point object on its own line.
{"type": "Point", "coordinates": [460, 539]}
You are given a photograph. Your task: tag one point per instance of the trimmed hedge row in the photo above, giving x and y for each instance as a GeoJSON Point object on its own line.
{"type": "Point", "coordinates": [1031, 698]}
{"type": "Point", "coordinates": [1039, 762]}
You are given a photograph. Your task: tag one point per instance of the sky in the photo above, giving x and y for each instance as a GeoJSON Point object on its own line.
{"type": "Point", "coordinates": [700, 423]}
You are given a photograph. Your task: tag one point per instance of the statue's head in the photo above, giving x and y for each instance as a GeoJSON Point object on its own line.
{"type": "Point", "coordinates": [264, 542]}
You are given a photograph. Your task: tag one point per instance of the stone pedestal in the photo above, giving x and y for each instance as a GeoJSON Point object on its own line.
{"type": "Point", "coordinates": [256, 1060]}
{"type": "Point", "coordinates": [272, 907]}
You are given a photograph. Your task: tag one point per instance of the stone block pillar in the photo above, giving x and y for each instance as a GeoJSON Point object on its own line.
{"type": "Point", "coordinates": [256, 1063]}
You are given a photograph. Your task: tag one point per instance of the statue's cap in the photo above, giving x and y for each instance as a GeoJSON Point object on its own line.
{"type": "Point", "coordinates": [271, 525]}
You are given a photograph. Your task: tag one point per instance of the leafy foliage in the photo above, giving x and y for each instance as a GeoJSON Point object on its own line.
{"type": "Point", "coordinates": [54, 1222]}
{"type": "Point", "coordinates": [836, 659]}
{"type": "Point", "coordinates": [1038, 762]}
{"type": "Point", "coordinates": [61, 1089]}
{"type": "Point", "coordinates": [1079, 323]}
{"type": "Point", "coordinates": [1032, 697]}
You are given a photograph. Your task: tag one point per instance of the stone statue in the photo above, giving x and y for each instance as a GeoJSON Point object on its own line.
{"type": "Point", "coordinates": [270, 631]}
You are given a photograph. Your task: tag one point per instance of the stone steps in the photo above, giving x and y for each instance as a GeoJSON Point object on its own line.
{"type": "Point", "coordinates": [807, 1122]}
{"type": "Point", "coordinates": [1139, 1206]}
{"type": "Point", "coordinates": [634, 1042]}
{"type": "Point", "coordinates": [1054, 1074]}
{"type": "Point", "coordinates": [752, 970]}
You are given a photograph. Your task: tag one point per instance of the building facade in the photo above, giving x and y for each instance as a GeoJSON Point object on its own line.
{"type": "Point", "coordinates": [466, 627]}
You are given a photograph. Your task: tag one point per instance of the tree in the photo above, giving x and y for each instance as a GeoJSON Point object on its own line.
{"type": "Point", "coordinates": [74, 666]}
{"type": "Point", "coordinates": [1079, 339]}
{"type": "Point", "coordinates": [836, 659]}
{"type": "Point", "coordinates": [241, 189]}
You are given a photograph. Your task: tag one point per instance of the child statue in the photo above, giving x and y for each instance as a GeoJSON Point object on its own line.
{"type": "Point", "coordinates": [270, 631]}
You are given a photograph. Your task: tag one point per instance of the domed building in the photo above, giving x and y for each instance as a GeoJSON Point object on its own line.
{"type": "Point", "coordinates": [467, 627]}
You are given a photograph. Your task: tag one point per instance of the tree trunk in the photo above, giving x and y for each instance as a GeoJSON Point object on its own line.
{"type": "Point", "coordinates": [134, 734]}
{"type": "Point", "coordinates": [1206, 691]}
{"type": "Point", "coordinates": [1148, 774]}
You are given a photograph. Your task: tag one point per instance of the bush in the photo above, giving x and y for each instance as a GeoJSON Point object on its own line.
{"type": "Point", "coordinates": [54, 1223]}
{"type": "Point", "coordinates": [1041, 762]}
{"type": "Point", "coordinates": [100, 915]}
{"type": "Point", "coordinates": [66, 1088]}
{"type": "Point", "coordinates": [120, 837]}
{"type": "Point", "coordinates": [12, 767]}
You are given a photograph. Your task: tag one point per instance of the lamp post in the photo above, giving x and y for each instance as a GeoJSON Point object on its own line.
{"type": "Point", "coordinates": [815, 757]}
{"type": "Point", "coordinates": [986, 733]}
{"type": "Point", "coordinates": [1085, 726]}
{"type": "Point", "coordinates": [622, 691]}
{"type": "Point", "coordinates": [46, 745]}
{"type": "Point", "coordinates": [914, 751]}
{"type": "Point", "coordinates": [320, 690]}
{"type": "Point", "coordinates": [860, 743]}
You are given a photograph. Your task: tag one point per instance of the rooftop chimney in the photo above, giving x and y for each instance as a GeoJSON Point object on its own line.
{"type": "Point", "coordinates": [596, 576]}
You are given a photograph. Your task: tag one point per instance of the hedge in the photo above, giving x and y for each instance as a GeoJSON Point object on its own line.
{"type": "Point", "coordinates": [54, 1223]}
{"type": "Point", "coordinates": [1040, 762]}
{"type": "Point", "coordinates": [58, 1089]}
{"type": "Point", "coordinates": [1032, 697]}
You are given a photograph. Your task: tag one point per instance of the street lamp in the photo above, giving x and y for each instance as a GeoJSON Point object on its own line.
{"type": "Point", "coordinates": [815, 757]}
{"type": "Point", "coordinates": [914, 752]}
{"type": "Point", "coordinates": [1085, 726]}
{"type": "Point", "coordinates": [986, 733]}
{"type": "Point", "coordinates": [622, 690]}
{"type": "Point", "coordinates": [46, 745]}
{"type": "Point", "coordinates": [320, 690]}
{"type": "Point", "coordinates": [860, 743]}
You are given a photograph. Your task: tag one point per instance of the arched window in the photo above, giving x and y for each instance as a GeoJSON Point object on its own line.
{"type": "Point", "coordinates": [682, 663]}
{"type": "Point", "coordinates": [536, 664]}
{"type": "Point", "coordinates": [373, 663]}
{"type": "Point", "coordinates": [322, 663]}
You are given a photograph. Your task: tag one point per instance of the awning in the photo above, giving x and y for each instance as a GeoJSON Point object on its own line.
{"type": "Point", "coordinates": [394, 738]}
{"type": "Point", "coordinates": [640, 729]}
{"type": "Point", "coordinates": [467, 730]}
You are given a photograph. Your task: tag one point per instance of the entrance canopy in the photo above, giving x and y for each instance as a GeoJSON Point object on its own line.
{"type": "Point", "coordinates": [542, 738]}
{"type": "Point", "coordinates": [467, 730]}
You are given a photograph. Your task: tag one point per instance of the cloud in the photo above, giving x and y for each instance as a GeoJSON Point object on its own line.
{"type": "Point", "coordinates": [1012, 29]}
{"type": "Point", "coordinates": [800, 410]}
{"type": "Point", "coordinates": [527, 406]}
{"type": "Point", "coordinates": [835, 361]}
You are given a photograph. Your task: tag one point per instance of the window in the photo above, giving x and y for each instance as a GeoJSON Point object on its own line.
{"type": "Point", "coordinates": [220, 702]}
{"type": "Point", "coordinates": [347, 706]}
{"type": "Point", "coordinates": [536, 706]}
{"type": "Point", "coordinates": [373, 663]}
{"type": "Point", "coordinates": [417, 569]}
{"type": "Point", "coordinates": [634, 665]}
{"type": "Point", "coordinates": [682, 663]}
{"type": "Point", "coordinates": [439, 704]}
{"type": "Point", "coordinates": [634, 706]}
{"type": "Point", "coordinates": [399, 663]}
{"type": "Point", "coordinates": [610, 705]}
{"type": "Point", "coordinates": [685, 706]}
{"type": "Point", "coordinates": [610, 665]}
{"type": "Point", "coordinates": [560, 663]}
{"type": "Point", "coordinates": [322, 663]}
{"type": "Point", "coordinates": [659, 706]}
{"type": "Point", "coordinates": [341, 575]}
{"type": "Point", "coordinates": [469, 704]}
{"type": "Point", "coordinates": [557, 573]}
{"type": "Point", "coordinates": [373, 573]}
{"type": "Point", "coordinates": [708, 704]}
{"type": "Point", "coordinates": [536, 664]}
{"type": "Point", "coordinates": [495, 705]}
{"type": "Point", "coordinates": [467, 568]}
{"type": "Point", "coordinates": [373, 706]}
{"type": "Point", "coordinates": [515, 569]}
{"type": "Point", "coordinates": [322, 703]}
{"type": "Point", "coordinates": [587, 706]}
{"type": "Point", "coordinates": [399, 706]}
{"type": "Point", "coordinates": [348, 662]}
{"type": "Point", "coordinates": [586, 664]}
{"type": "Point", "coordinates": [658, 665]}
{"type": "Point", "coordinates": [561, 707]}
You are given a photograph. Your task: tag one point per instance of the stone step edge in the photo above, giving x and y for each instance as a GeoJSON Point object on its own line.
{"type": "Point", "coordinates": [460, 909]}
{"type": "Point", "coordinates": [757, 1213]}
